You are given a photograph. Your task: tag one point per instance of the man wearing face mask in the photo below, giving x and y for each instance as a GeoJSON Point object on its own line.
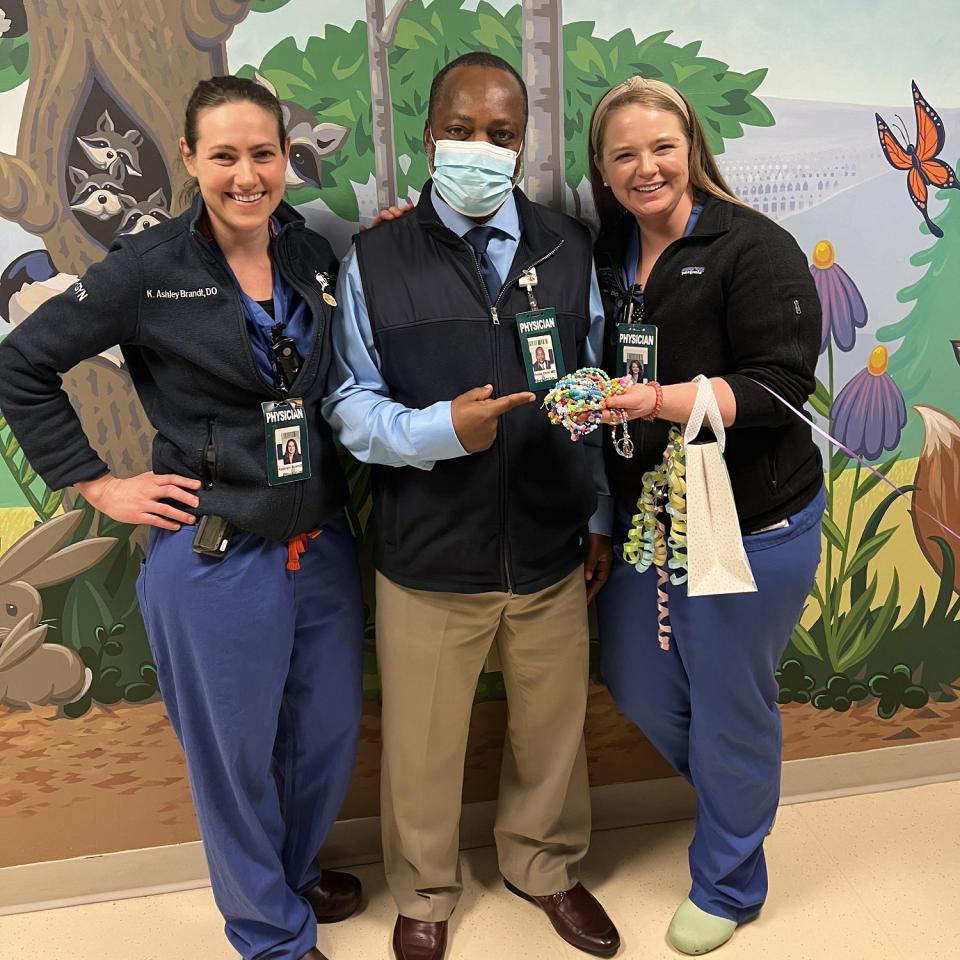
{"type": "Point", "coordinates": [482, 508]}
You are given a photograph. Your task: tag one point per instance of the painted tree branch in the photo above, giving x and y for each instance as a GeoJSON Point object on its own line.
{"type": "Point", "coordinates": [213, 20]}
{"type": "Point", "coordinates": [388, 31]}
{"type": "Point", "coordinates": [21, 194]}
{"type": "Point", "coordinates": [381, 31]}
{"type": "Point", "coordinates": [145, 65]}
{"type": "Point", "coordinates": [542, 53]}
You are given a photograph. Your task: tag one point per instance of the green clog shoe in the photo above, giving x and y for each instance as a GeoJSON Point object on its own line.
{"type": "Point", "coordinates": [694, 931]}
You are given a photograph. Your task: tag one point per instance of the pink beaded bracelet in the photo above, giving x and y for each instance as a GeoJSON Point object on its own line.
{"type": "Point", "coordinates": [657, 404]}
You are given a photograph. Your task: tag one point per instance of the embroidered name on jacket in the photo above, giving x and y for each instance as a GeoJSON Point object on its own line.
{"type": "Point", "coordinates": [691, 271]}
{"type": "Point", "coordinates": [181, 294]}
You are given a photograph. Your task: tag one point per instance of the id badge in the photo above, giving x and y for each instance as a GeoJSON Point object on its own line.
{"type": "Point", "coordinates": [540, 347]}
{"type": "Point", "coordinates": [637, 351]}
{"type": "Point", "coordinates": [285, 433]}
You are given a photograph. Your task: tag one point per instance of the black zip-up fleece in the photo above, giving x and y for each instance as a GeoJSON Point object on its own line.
{"type": "Point", "coordinates": [165, 298]}
{"type": "Point", "coordinates": [748, 312]}
{"type": "Point", "coordinates": [513, 517]}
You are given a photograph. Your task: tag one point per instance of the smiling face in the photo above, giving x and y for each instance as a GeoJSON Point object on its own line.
{"type": "Point", "coordinates": [239, 165]}
{"type": "Point", "coordinates": [541, 356]}
{"type": "Point", "coordinates": [478, 103]}
{"type": "Point", "coordinates": [291, 448]}
{"type": "Point", "coordinates": [644, 158]}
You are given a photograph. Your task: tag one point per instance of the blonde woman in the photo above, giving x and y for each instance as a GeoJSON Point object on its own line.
{"type": "Point", "coordinates": [731, 297]}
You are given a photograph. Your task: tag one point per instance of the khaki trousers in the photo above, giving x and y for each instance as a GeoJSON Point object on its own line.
{"type": "Point", "coordinates": [430, 651]}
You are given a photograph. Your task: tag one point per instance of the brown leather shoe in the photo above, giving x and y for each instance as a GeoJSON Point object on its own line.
{"type": "Point", "coordinates": [336, 897]}
{"type": "Point", "coordinates": [578, 918]}
{"type": "Point", "coordinates": [419, 939]}
{"type": "Point", "coordinates": [313, 954]}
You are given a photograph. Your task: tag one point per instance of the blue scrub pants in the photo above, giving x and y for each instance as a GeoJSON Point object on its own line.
{"type": "Point", "coordinates": [260, 671]}
{"type": "Point", "coordinates": [708, 704]}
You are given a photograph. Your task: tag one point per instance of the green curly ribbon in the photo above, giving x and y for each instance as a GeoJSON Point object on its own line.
{"type": "Point", "coordinates": [664, 491]}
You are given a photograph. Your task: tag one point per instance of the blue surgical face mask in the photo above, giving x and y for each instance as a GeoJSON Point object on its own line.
{"type": "Point", "coordinates": [473, 176]}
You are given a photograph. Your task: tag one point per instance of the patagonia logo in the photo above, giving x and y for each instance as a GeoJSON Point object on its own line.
{"type": "Point", "coordinates": [691, 271]}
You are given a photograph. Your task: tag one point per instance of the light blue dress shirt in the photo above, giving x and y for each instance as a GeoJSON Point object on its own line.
{"type": "Point", "coordinates": [377, 429]}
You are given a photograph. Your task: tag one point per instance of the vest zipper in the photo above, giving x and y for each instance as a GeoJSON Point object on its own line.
{"type": "Point", "coordinates": [245, 336]}
{"type": "Point", "coordinates": [483, 283]}
{"type": "Point", "coordinates": [501, 432]}
{"type": "Point", "coordinates": [513, 280]}
{"type": "Point", "coordinates": [210, 458]}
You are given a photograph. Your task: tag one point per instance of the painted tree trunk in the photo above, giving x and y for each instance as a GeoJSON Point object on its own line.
{"type": "Point", "coordinates": [381, 29]}
{"type": "Point", "coordinates": [103, 114]}
{"type": "Point", "coordinates": [542, 70]}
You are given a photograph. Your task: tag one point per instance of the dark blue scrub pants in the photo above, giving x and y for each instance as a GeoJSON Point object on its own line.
{"type": "Point", "coordinates": [260, 671]}
{"type": "Point", "coordinates": [708, 704]}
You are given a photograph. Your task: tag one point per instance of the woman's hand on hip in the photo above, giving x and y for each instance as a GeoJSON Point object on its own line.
{"type": "Point", "coordinates": [140, 499]}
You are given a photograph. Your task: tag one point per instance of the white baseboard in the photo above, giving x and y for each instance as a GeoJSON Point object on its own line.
{"type": "Point", "coordinates": [113, 876]}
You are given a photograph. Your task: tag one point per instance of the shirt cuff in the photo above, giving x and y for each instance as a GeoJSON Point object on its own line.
{"type": "Point", "coordinates": [432, 433]}
{"type": "Point", "coordinates": [602, 520]}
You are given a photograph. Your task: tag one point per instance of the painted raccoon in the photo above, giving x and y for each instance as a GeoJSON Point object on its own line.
{"type": "Point", "coordinates": [105, 146]}
{"type": "Point", "coordinates": [143, 215]}
{"type": "Point", "coordinates": [99, 195]}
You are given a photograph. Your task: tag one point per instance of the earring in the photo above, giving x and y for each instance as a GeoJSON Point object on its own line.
{"type": "Point", "coordinates": [606, 184]}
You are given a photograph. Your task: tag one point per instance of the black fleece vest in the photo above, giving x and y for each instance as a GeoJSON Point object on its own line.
{"type": "Point", "coordinates": [512, 517]}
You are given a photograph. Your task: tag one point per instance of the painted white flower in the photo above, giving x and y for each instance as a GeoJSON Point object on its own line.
{"type": "Point", "coordinates": [31, 295]}
{"type": "Point", "coordinates": [4, 22]}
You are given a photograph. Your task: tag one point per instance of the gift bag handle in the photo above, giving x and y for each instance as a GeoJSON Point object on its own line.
{"type": "Point", "coordinates": [705, 407]}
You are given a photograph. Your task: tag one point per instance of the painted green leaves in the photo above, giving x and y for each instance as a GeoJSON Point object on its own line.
{"type": "Point", "coordinates": [14, 61]}
{"type": "Point", "coordinates": [330, 78]}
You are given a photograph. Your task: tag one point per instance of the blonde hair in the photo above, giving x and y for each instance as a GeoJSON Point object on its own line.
{"type": "Point", "coordinates": [705, 176]}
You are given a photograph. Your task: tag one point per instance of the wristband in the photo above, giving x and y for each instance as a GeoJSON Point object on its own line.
{"type": "Point", "coordinates": [657, 404]}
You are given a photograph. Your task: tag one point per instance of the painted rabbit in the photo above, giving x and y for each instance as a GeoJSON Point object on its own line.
{"type": "Point", "coordinates": [32, 671]}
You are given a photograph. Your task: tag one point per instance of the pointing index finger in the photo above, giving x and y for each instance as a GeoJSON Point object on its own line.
{"type": "Point", "coordinates": [502, 404]}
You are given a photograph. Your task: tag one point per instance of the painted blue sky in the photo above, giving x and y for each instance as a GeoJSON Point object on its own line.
{"type": "Point", "coordinates": [844, 51]}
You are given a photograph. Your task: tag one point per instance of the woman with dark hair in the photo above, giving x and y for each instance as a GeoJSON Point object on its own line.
{"type": "Point", "coordinates": [291, 453]}
{"type": "Point", "coordinates": [731, 296]}
{"type": "Point", "coordinates": [635, 371]}
{"type": "Point", "coordinates": [221, 317]}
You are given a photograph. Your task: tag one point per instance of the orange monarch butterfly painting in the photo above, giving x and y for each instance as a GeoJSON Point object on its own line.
{"type": "Point", "coordinates": [926, 169]}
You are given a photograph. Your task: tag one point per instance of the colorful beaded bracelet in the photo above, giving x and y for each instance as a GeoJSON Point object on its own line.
{"type": "Point", "coordinates": [577, 403]}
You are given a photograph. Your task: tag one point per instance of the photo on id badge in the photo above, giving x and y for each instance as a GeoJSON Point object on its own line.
{"type": "Point", "coordinates": [635, 361]}
{"type": "Point", "coordinates": [542, 359]}
{"type": "Point", "coordinates": [289, 457]}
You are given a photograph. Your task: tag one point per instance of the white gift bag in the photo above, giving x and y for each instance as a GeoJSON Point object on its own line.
{"type": "Point", "coordinates": [716, 560]}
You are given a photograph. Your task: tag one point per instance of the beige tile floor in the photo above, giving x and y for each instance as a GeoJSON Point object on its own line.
{"type": "Point", "coordinates": [875, 877]}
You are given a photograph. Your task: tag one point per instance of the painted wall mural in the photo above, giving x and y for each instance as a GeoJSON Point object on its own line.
{"type": "Point", "coordinates": [94, 91]}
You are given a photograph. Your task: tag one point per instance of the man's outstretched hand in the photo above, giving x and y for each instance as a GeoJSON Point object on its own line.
{"type": "Point", "coordinates": [475, 415]}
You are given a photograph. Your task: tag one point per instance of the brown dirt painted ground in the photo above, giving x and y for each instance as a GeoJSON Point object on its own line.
{"type": "Point", "coordinates": [115, 778]}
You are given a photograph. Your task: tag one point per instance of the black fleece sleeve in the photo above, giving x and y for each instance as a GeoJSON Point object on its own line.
{"type": "Point", "coordinates": [773, 325]}
{"type": "Point", "coordinates": [98, 312]}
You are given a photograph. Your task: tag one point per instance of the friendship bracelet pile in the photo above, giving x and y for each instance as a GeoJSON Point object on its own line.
{"type": "Point", "coordinates": [577, 403]}
{"type": "Point", "coordinates": [664, 490]}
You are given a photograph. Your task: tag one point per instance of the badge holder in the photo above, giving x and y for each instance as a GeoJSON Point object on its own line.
{"type": "Point", "coordinates": [637, 345]}
{"type": "Point", "coordinates": [539, 339]}
{"type": "Point", "coordinates": [287, 442]}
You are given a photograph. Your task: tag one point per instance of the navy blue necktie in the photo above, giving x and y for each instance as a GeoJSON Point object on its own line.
{"type": "Point", "coordinates": [478, 238]}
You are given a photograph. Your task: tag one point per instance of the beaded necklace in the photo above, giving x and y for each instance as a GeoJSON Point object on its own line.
{"type": "Point", "coordinates": [576, 402]}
